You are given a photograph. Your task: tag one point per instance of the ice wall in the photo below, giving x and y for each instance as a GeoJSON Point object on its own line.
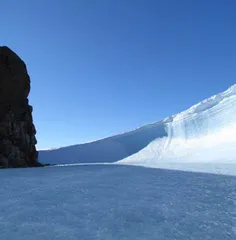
{"type": "Point", "coordinates": [202, 138]}
{"type": "Point", "coordinates": [205, 133]}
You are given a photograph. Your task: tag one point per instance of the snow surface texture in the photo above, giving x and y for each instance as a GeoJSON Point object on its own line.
{"type": "Point", "coordinates": [115, 202]}
{"type": "Point", "coordinates": [202, 138]}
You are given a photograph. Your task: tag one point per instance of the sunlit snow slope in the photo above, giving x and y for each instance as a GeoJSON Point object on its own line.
{"type": "Point", "coordinates": [205, 133]}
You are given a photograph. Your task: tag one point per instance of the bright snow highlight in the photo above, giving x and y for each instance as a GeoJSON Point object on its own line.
{"type": "Point", "coordinates": [204, 133]}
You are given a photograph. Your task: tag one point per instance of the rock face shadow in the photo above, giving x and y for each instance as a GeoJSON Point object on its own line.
{"type": "Point", "coordinates": [17, 131]}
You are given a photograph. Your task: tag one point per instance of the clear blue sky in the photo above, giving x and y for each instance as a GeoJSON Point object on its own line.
{"type": "Point", "coordinates": [103, 67]}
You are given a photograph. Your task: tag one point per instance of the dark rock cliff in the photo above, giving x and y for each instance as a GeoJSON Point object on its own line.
{"type": "Point", "coordinates": [17, 131]}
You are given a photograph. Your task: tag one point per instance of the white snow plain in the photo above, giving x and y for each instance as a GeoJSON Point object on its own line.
{"type": "Point", "coordinates": [115, 203]}
{"type": "Point", "coordinates": [202, 138]}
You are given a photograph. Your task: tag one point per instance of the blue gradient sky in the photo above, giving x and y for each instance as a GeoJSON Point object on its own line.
{"type": "Point", "coordinates": [103, 67]}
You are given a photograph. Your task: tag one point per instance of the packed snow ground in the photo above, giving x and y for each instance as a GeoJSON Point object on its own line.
{"type": "Point", "coordinates": [116, 202]}
{"type": "Point", "coordinates": [202, 138]}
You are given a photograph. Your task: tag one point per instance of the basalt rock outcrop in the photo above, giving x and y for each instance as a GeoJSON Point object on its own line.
{"type": "Point", "coordinates": [17, 131]}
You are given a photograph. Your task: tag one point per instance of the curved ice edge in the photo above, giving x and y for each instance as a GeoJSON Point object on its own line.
{"type": "Point", "coordinates": [83, 164]}
{"type": "Point", "coordinates": [207, 167]}
{"type": "Point", "coordinates": [211, 168]}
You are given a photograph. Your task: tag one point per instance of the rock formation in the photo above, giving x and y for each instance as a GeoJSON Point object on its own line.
{"type": "Point", "coordinates": [17, 131]}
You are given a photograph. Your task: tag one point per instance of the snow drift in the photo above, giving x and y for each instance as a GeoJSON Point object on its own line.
{"type": "Point", "coordinates": [109, 149]}
{"type": "Point", "coordinates": [205, 133]}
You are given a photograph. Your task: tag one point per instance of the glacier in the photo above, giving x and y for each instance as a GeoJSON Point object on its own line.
{"type": "Point", "coordinates": [202, 138]}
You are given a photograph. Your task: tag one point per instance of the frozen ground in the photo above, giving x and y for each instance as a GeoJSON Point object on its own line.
{"type": "Point", "coordinates": [116, 202]}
